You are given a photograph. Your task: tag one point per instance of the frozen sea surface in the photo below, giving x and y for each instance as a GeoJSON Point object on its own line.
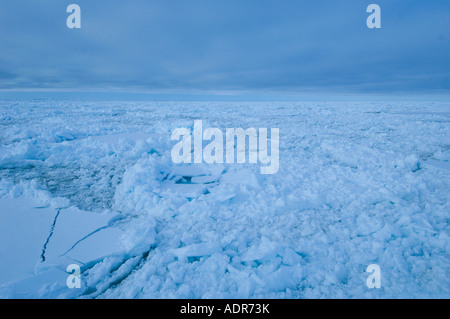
{"type": "Point", "coordinates": [93, 184]}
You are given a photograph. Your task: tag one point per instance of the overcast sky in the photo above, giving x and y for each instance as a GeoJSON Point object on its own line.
{"type": "Point", "coordinates": [225, 45]}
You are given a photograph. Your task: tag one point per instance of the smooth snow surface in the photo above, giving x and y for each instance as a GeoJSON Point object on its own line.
{"type": "Point", "coordinates": [93, 184]}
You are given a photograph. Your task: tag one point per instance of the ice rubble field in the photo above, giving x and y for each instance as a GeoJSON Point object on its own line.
{"type": "Point", "coordinates": [92, 183]}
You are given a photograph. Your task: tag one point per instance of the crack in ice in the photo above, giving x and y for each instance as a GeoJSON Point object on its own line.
{"type": "Point", "coordinates": [44, 248]}
{"type": "Point", "coordinates": [80, 240]}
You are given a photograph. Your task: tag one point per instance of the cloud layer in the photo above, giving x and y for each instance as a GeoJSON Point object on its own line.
{"type": "Point", "coordinates": [233, 45]}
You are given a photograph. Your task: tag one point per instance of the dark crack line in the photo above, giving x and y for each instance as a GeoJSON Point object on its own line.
{"type": "Point", "coordinates": [118, 281]}
{"type": "Point", "coordinates": [44, 248]}
{"type": "Point", "coordinates": [90, 234]}
{"type": "Point", "coordinates": [94, 293]}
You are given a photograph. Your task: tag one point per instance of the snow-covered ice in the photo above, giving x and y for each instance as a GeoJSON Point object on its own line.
{"type": "Point", "coordinates": [93, 184]}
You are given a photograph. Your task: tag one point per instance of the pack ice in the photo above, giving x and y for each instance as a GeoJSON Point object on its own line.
{"type": "Point", "coordinates": [93, 184]}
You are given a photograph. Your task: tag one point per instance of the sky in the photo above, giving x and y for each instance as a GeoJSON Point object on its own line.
{"type": "Point", "coordinates": [256, 46]}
